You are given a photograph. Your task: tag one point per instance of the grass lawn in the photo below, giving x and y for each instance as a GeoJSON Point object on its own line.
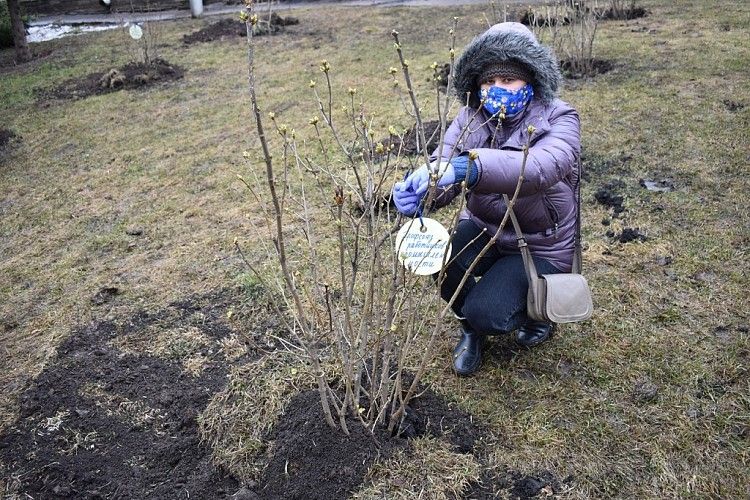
{"type": "Point", "coordinates": [137, 190]}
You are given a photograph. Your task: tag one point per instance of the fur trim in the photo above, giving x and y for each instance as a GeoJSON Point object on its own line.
{"type": "Point", "coordinates": [507, 42]}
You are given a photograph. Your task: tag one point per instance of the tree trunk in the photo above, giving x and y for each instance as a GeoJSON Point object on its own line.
{"type": "Point", "coordinates": [23, 54]}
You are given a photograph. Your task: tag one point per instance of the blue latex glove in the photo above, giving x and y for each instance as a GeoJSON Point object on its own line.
{"type": "Point", "coordinates": [419, 180]}
{"type": "Point", "coordinates": [448, 177]}
{"type": "Point", "coordinates": [406, 200]}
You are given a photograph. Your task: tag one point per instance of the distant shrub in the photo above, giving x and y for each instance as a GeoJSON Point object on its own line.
{"type": "Point", "coordinates": [6, 35]}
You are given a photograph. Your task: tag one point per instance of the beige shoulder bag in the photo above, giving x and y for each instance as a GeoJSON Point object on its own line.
{"type": "Point", "coordinates": [559, 298]}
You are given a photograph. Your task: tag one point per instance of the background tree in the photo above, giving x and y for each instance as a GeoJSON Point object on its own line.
{"type": "Point", "coordinates": [23, 54]}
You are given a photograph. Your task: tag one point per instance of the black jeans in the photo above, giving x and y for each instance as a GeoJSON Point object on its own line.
{"type": "Point", "coordinates": [496, 303]}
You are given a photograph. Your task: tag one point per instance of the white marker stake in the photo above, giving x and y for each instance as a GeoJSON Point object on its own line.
{"type": "Point", "coordinates": [135, 32]}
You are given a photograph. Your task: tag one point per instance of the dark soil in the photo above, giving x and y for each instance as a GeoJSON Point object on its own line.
{"type": "Point", "coordinates": [540, 484]}
{"type": "Point", "coordinates": [410, 144]}
{"type": "Point", "coordinates": [443, 72]}
{"type": "Point", "coordinates": [131, 76]}
{"type": "Point", "coordinates": [575, 71]}
{"type": "Point", "coordinates": [608, 195]}
{"type": "Point", "coordinates": [6, 138]}
{"type": "Point", "coordinates": [233, 28]}
{"type": "Point", "coordinates": [312, 461]}
{"type": "Point", "coordinates": [627, 235]}
{"type": "Point", "coordinates": [598, 166]}
{"type": "Point", "coordinates": [96, 451]}
{"type": "Point", "coordinates": [623, 14]}
{"type": "Point", "coordinates": [137, 437]}
{"type": "Point", "coordinates": [531, 18]}
{"type": "Point", "coordinates": [733, 105]}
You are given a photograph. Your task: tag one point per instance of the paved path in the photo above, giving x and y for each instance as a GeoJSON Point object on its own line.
{"type": "Point", "coordinates": [218, 9]}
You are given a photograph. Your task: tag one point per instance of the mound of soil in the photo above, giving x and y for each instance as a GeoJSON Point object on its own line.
{"type": "Point", "coordinates": [574, 71]}
{"type": "Point", "coordinates": [133, 75]}
{"type": "Point", "coordinates": [6, 137]}
{"type": "Point", "coordinates": [410, 143]}
{"type": "Point", "coordinates": [443, 71]}
{"type": "Point", "coordinates": [623, 14]}
{"type": "Point", "coordinates": [530, 18]}
{"type": "Point", "coordinates": [135, 435]}
{"type": "Point", "coordinates": [312, 461]}
{"type": "Point", "coordinates": [232, 28]}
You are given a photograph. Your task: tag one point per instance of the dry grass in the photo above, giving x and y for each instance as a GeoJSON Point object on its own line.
{"type": "Point", "coordinates": [584, 405]}
{"type": "Point", "coordinates": [238, 418]}
{"type": "Point", "coordinates": [430, 469]}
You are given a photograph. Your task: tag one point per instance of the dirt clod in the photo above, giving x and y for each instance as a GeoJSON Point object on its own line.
{"type": "Point", "coordinates": [733, 105]}
{"type": "Point", "coordinates": [105, 294]}
{"type": "Point", "coordinates": [6, 136]}
{"type": "Point", "coordinates": [543, 484]}
{"type": "Point", "coordinates": [608, 196]}
{"type": "Point", "coordinates": [645, 391]}
{"type": "Point", "coordinates": [664, 260]}
{"type": "Point", "coordinates": [627, 235]}
{"type": "Point", "coordinates": [519, 486]}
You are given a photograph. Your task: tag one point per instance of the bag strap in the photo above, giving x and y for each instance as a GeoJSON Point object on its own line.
{"type": "Point", "coordinates": [528, 262]}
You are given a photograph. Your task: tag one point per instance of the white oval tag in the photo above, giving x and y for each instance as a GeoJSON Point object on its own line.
{"type": "Point", "coordinates": [421, 245]}
{"type": "Point", "coordinates": [135, 32]}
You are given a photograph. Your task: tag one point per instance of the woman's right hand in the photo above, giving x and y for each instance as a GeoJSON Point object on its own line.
{"type": "Point", "coordinates": [405, 199]}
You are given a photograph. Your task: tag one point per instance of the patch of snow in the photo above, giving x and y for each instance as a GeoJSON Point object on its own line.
{"type": "Point", "coordinates": [45, 32]}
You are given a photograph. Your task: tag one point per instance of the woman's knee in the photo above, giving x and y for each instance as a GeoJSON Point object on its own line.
{"type": "Point", "coordinates": [489, 319]}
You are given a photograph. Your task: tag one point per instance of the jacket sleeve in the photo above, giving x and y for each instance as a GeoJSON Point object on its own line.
{"type": "Point", "coordinates": [451, 139]}
{"type": "Point", "coordinates": [551, 158]}
{"type": "Point", "coordinates": [444, 196]}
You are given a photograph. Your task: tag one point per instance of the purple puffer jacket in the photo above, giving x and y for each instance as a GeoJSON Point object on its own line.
{"type": "Point", "coordinates": [547, 205]}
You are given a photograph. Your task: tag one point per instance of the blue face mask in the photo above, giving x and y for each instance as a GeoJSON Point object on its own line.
{"type": "Point", "coordinates": [499, 101]}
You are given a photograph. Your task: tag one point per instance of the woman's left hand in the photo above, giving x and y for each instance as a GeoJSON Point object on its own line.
{"type": "Point", "coordinates": [419, 180]}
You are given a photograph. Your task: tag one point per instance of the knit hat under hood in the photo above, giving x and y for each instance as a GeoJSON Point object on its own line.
{"type": "Point", "coordinates": [507, 42]}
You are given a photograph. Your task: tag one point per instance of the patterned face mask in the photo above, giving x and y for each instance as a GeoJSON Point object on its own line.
{"type": "Point", "coordinates": [504, 103]}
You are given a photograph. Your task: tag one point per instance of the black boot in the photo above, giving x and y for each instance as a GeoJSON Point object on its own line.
{"type": "Point", "coordinates": [533, 333]}
{"type": "Point", "coordinates": [467, 356]}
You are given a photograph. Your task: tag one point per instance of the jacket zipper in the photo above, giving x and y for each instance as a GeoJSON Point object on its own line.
{"type": "Point", "coordinates": [552, 212]}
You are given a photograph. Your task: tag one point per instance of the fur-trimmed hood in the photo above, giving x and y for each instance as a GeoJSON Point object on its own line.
{"type": "Point", "coordinates": [504, 42]}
